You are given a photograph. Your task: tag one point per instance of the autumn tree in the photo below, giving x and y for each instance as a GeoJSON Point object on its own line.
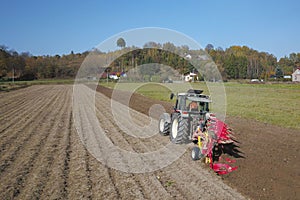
{"type": "Point", "coordinates": [235, 62]}
{"type": "Point", "coordinates": [209, 47]}
{"type": "Point", "coordinates": [121, 43]}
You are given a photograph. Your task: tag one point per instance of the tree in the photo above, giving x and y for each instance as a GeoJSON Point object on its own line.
{"type": "Point", "coordinates": [219, 49]}
{"type": "Point", "coordinates": [286, 65]}
{"type": "Point", "coordinates": [152, 45]}
{"type": "Point", "coordinates": [278, 72]}
{"type": "Point", "coordinates": [209, 47]}
{"type": "Point", "coordinates": [121, 43]}
{"type": "Point", "coordinates": [168, 46]}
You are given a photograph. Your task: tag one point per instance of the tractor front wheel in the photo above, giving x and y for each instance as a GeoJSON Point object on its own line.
{"type": "Point", "coordinates": [164, 124]}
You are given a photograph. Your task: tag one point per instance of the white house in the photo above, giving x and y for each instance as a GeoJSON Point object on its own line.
{"type": "Point", "coordinates": [117, 75]}
{"type": "Point", "coordinates": [190, 77]}
{"type": "Point", "coordinates": [188, 56]}
{"type": "Point", "coordinates": [296, 75]}
{"type": "Point", "coordinates": [113, 76]}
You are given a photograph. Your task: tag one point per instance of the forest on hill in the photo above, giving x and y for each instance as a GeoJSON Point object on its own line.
{"type": "Point", "coordinates": [235, 62]}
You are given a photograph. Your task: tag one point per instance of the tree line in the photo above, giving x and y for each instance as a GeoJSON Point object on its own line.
{"type": "Point", "coordinates": [235, 62]}
{"type": "Point", "coordinates": [24, 66]}
{"type": "Point", "coordinates": [241, 62]}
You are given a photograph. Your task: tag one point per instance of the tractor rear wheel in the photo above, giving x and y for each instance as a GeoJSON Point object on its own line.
{"type": "Point", "coordinates": [179, 133]}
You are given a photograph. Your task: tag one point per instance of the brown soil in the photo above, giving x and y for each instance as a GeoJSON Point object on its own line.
{"type": "Point", "coordinates": [42, 157]}
{"type": "Point", "coordinates": [268, 160]}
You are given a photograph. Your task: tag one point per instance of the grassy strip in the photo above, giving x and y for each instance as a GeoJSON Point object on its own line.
{"type": "Point", "coordinates": [9, 86]}
{"type": "Point", "coordinates": [277, 104]}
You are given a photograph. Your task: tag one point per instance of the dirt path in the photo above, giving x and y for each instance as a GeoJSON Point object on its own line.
{"type": "Point", "coordinates": [42, 156]}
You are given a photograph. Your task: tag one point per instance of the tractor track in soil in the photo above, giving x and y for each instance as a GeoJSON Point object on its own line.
{"type": "Point", "coordinates": [18, 106]}
{"type": "Point", "coordinates": [29, 148]}
{"type": "Point", "coordinates": [11, 117]}
{"type": "Point", "coordinates": [42, 156]}
{"type": "Point", "coordinates": [16, 96]}
{"type": "Point", "coordinates": [180, 188]}
{"type": "Point", "coordinates": [10, 141]}
{"type": "Point", "coordinates": [12, 145]}
{"type": "Point", "coordinates": [129, 143]}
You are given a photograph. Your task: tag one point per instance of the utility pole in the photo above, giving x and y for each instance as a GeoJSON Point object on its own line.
{"type": "Point", "coordinates": [107, 78]}
{"type": "Point", "coordinates": [13, 75]}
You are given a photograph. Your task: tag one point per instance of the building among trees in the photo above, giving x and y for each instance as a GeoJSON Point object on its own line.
{"type": "Point", "coordinates": [296, 75]}
{"type": "Point", "coordinates": [190, 77]}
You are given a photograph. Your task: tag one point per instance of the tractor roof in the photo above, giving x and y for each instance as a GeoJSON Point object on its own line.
{"type": "Point", "coordinates": [192, 91]}
{"type": "Point", "coordinates": [199, 99]}
{"type": "Point", "coordinates": [196, 96]}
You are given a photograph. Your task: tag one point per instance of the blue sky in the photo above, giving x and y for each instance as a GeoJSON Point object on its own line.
{"type": "Point", "coordinates": [58, 27]}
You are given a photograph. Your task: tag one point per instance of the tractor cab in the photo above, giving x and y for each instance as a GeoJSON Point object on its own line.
{"type": "Point", "coordinates": [189, 112]}
{"type": "Point", "coordinates": [192, 102]}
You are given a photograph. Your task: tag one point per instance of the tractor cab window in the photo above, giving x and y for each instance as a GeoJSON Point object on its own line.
{"type": "Point", "coordinates": [181, 103]}
{"type": "Point", "coordinates": [204, 106]}
{"type": "Point", "coordinates": [192, 106]}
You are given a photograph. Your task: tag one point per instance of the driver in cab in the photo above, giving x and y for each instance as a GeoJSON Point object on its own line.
{"type": "Point", "coordinates": [193, 106]}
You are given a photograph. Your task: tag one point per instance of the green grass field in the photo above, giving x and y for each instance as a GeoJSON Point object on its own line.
{"type": "Point", "coordinates": [277, 104]}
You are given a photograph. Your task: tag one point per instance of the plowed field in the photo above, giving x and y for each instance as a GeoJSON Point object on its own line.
{"type": "Point", "coordinates": [42, 156]}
